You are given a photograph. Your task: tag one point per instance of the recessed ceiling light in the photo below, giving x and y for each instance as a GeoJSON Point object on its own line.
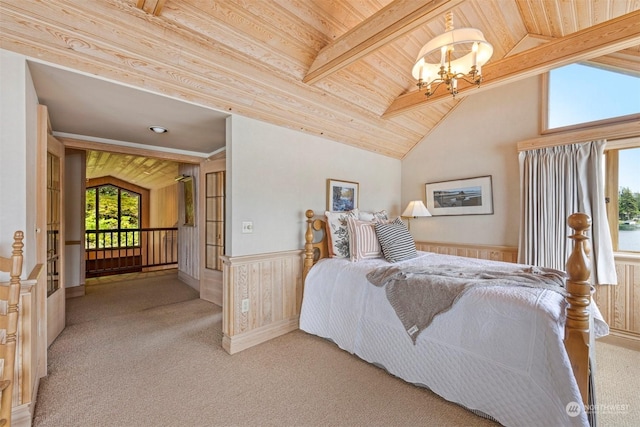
{"type": "Point", "coordinates": [158, 129]}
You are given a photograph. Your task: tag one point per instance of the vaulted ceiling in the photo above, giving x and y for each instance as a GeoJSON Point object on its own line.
{"type": "Point", "coordinates": [340, 69]}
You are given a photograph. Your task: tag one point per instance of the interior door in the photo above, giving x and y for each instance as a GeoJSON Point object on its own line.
{"type": "Point", "coordinates": [55, 239]}
{"type": "Point", "coordinates": [212, 200]}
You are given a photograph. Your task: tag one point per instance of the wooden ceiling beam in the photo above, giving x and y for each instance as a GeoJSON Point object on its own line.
{"type": "Point", "coordinates": [602, 39]}
{"type": "Point", "coordinates": [396, 19]}
{"type": "Point", "coordinates": [624, 61]}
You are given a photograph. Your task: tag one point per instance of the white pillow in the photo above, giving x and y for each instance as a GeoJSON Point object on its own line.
{"type": "Point", "coordinates": [337, 232]}
{"type": "Point", "coordinates": [373, 216]}
{"type": "Point", "coordinates": [363, 242]}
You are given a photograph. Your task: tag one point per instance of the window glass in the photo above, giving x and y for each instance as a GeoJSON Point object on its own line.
{"type": "Point", "coordinates": [90, 217]}
{"type": "Point", "coordinates": [129, 214]}
{"type": "Point", "coordinates": [110, 211]}
{"type": "Point", "coordinates": [107, 207]}
{"type": "Point", "coordinates": [581, 93]}
{"type": "Point", "coordinates": [629, 200]}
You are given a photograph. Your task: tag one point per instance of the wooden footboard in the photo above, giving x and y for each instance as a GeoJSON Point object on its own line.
{"type": "Point", "coordinates": [578, 268]}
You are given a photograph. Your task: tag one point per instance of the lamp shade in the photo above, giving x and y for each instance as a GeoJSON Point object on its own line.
{"type": "Point", "coordinates": [415, 209]}
{"type": "Point", "coordinates": [429, 61]}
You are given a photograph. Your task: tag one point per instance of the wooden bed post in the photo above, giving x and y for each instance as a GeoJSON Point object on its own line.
{"type": "Point", "coordinates": [308, 245]}
{"type": "Point", "coordinates": [576, 335]}
{"type": "Point", "coordinates": [313, 251]}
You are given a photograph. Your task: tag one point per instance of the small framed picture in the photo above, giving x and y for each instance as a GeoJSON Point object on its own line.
{"type": "Point", "coordinates": [341, 195]}
{"type": "Point", "coordinates": [189, 202]}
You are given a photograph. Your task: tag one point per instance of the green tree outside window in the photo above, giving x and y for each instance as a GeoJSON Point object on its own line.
{"type": "Point", "coordinates": [112, 208]}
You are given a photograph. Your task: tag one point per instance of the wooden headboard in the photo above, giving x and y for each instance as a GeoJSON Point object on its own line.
{"type": "Point", "coordinates": [314, 251]}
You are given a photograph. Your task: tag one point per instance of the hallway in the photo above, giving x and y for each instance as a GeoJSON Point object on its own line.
{"type": "Point", "coordinates": [115, 295]}
{"type": "Point", "coordinates": [120, 340]}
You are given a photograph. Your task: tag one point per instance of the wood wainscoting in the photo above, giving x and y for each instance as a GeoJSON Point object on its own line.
{"type": "Point", "coordinates": [262, 296]}
{"type": "Point", "coordinates": [494, 253]}
{"type": "Point", "coordinates": [272, 286]}
{"type": "Point", "coordinates": [29, 352]}
{"type": "Point", "coordinates": [619, 304]}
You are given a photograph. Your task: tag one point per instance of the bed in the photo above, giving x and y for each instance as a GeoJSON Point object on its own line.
{"type": "Point", "coordinates": [515, 354]}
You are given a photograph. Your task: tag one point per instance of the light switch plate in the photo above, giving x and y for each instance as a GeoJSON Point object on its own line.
{"type": "Point", "coordinates": [247, 227]}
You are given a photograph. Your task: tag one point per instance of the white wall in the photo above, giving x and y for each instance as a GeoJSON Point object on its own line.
{"type": "Point", "coordinates": [478, 138]}
{"type": "Point", "coordinates": [75, 208]}
{"type": "Point", "coordinates": [275, 174]}
{"type": "Point", "coordinates": [18, 117]}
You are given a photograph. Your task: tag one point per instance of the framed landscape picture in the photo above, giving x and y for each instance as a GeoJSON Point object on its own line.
{"type": "Point", "coordinates": [470, 196]}
{"type": "Point", "coordinates": [341, 195]}
{"type": "Point", "coordinates": [189, 202]}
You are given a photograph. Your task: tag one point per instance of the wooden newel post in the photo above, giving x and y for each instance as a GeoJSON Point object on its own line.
{"type": "Point", "coordinates": [14, 285]}
{"type": "Point", "coordinates": [576, 338]}
{"type": "Point", "coordinates": [11, 326]}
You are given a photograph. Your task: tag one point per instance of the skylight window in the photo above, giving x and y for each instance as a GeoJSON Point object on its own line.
{"type": "Point", "coordinates": [580, 94]}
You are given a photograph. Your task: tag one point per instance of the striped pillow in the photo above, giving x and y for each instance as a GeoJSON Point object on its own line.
{"type": "Point", "coordinates": [396, 241]}
{"type": "Point", "coordinates": [363, 242]}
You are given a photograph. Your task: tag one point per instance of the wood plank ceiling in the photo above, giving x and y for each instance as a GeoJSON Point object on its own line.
{"type": "Point", "coordinates": [147, 172]}
{"type": "Point", "coordinates": [254, 57]}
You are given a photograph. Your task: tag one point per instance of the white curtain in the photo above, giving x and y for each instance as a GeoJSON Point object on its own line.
{"type": "Point", "coordinates": [554, 183]}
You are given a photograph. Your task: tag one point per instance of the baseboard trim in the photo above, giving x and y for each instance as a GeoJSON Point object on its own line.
{"type": "Point", "coordinates": [74, 291]}
{"type": "Point", "coordinates": [622, 339]}
{"type": "Point", "coordinates": [22, 415]}
{"type": "Point", "coordinates": [191, 281]}
{"type": "Point", "coordinates": [257, 336]}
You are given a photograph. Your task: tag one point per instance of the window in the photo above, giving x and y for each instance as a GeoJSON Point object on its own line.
{"type": "Point", "coordinates": [580, 94]}
{"type": "Point", "coordinates": [112, 217]}
{"type": "Point", "coordinates": [53, 223]}
{"type": "Point", "coordinates": [214, 222]}
{"type": "Point", "coordinates": [624, 207]}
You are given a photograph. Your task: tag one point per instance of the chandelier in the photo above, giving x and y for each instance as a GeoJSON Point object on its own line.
{"type": "Point", "coordinates": [446, 58]}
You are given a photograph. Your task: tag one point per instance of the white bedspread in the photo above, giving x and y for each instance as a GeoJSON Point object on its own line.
{"type": "Point", "coordinates": [497, 350]}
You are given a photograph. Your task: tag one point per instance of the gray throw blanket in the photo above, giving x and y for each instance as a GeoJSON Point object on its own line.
{"type": "Point", "coordinates": [419, 293]}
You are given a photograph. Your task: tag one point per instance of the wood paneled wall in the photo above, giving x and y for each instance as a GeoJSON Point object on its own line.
{"type": "Point", "coordinates": [272, 284]}
{"type": "Point", "coordinates": [494, 253]}
{"type": "Point", "coordinates": [271, 287]}
{"type": "Point", "coordinates": [27, 374]}
{"type": "Point", "coordinates": [620, 305]}
{"type": "Point", "coordinates": [164, 207]}
{"type": "Point", "coordinates": [189, 236]}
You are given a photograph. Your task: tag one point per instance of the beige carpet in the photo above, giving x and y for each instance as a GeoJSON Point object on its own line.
{"type": "Point", "coordinates": [617, 386]}
{"type": "Point", "coordinates": [146, 352]}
